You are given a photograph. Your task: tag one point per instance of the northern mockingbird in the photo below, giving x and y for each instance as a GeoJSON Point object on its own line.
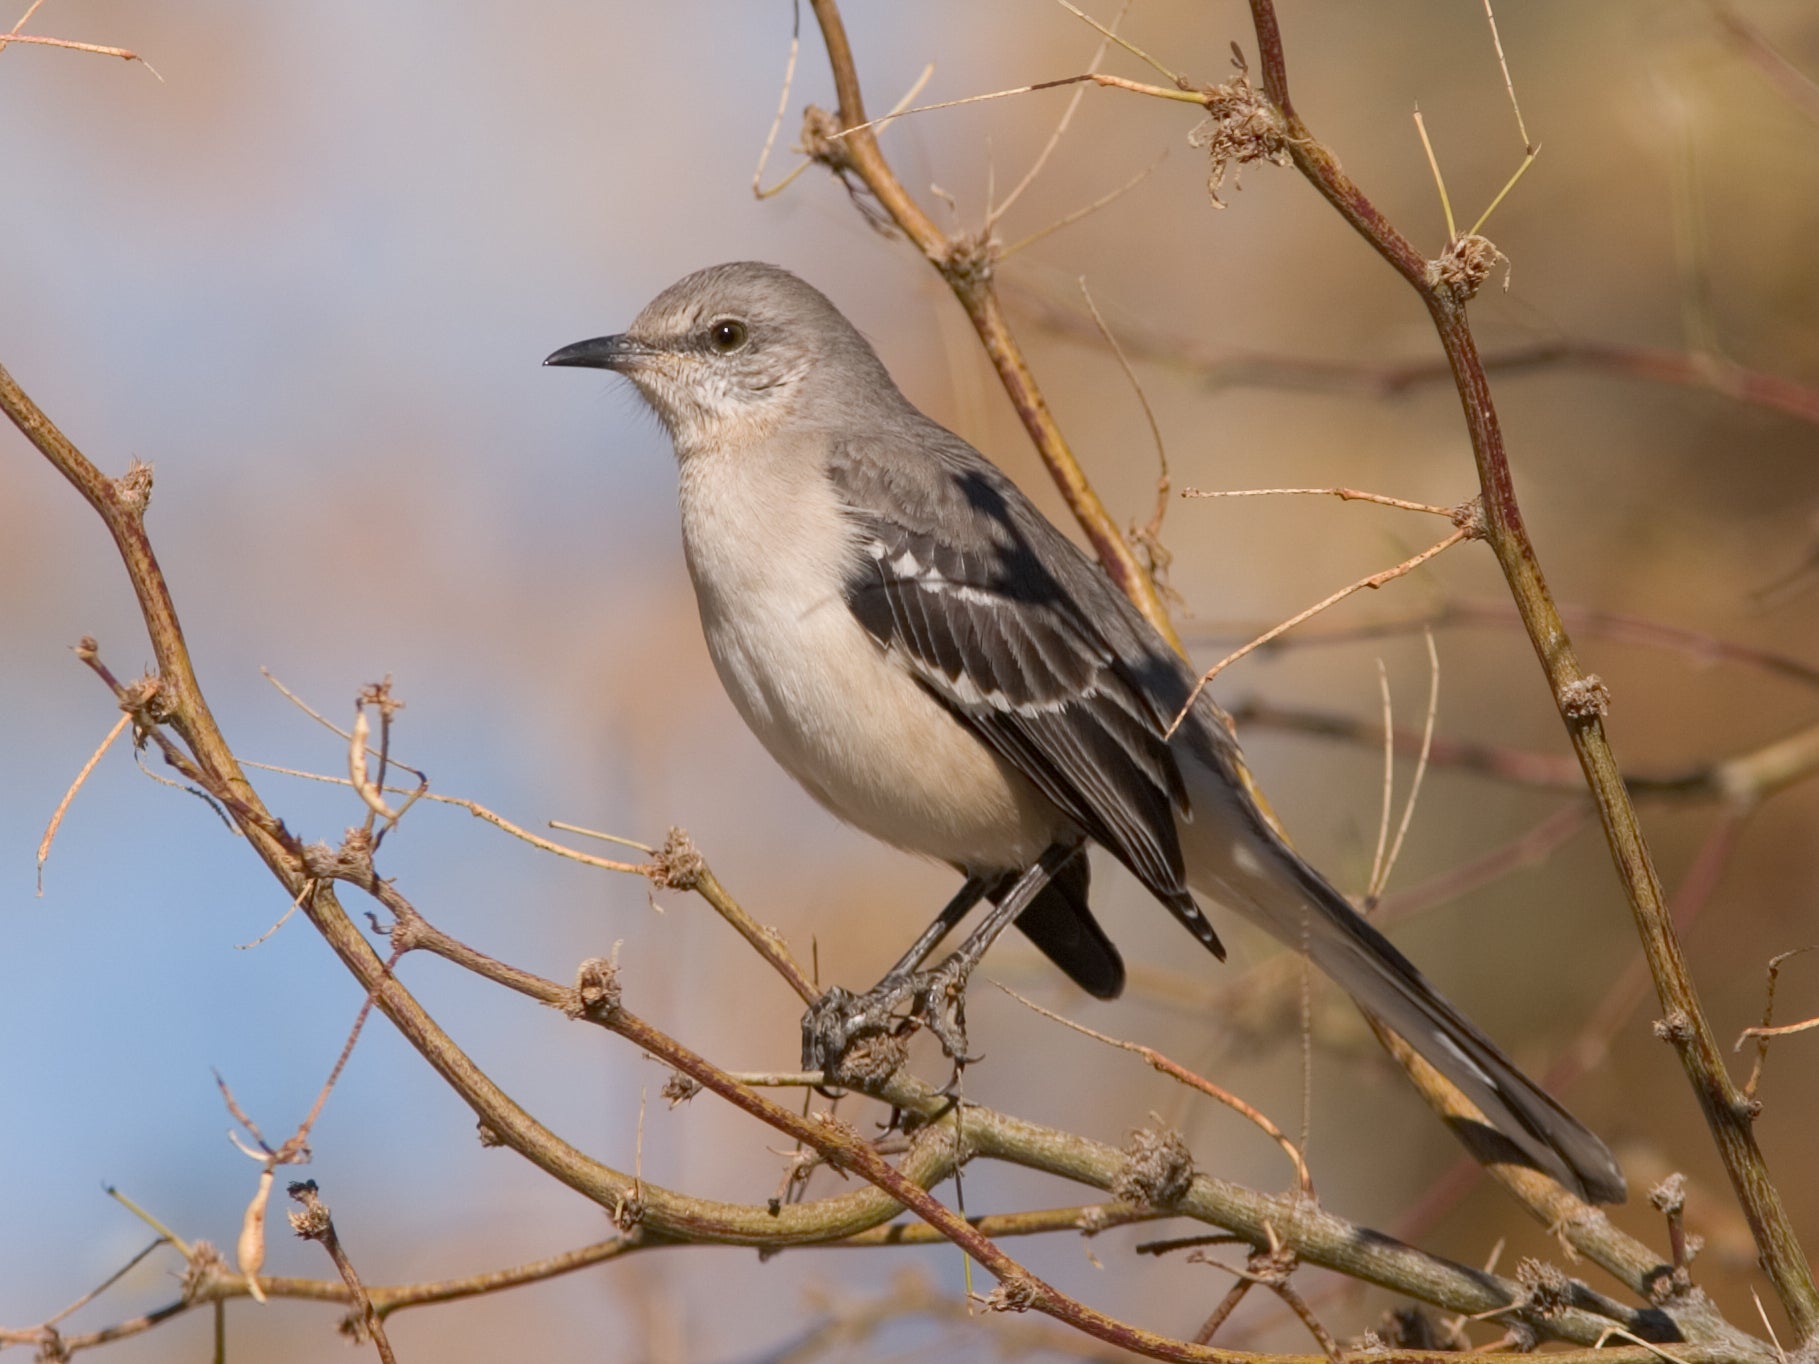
{"type": "Point", "coordinates": [938, 665]}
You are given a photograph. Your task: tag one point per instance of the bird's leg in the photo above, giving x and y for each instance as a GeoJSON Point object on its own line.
{"type": "Point", "coordinates": [956, 909]}
{"type": "Point", "coordinates": [941, 991]}
{"type": "Point", "coordinates": [935, 995]}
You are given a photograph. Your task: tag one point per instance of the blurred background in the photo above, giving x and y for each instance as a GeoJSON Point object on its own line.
{"type": "Point", "coordinates": [309, 275]}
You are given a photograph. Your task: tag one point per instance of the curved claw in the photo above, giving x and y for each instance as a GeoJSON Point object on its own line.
{"type": "Point", "coordinates": [936, 999]}
{"type": "Point", "coordinates": [941, 1005]}
{"type": "Point", "coordinates": [839, 1019]}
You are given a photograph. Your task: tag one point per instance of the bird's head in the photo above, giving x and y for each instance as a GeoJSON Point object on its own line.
{"type": "Point", "coordinates": [727, 355]}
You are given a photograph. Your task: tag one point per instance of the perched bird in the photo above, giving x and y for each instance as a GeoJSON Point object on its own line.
{"type": "Point", "coordinates": [938, 665]}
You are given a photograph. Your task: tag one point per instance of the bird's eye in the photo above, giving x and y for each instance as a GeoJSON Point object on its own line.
{"type": "Point", "coordinates": [727, 335]}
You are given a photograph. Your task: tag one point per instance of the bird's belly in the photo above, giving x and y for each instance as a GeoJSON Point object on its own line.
{"type": "Point", "coordinates": [866, 741]}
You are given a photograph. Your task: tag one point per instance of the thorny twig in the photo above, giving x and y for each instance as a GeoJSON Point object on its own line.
{"type": "Point", "coordinates": [315, 1224]}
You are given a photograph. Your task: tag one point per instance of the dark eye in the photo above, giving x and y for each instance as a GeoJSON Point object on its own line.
{"type": "Point", "coordinates": [726, 335]}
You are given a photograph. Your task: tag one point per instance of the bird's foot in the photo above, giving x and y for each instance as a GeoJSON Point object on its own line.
{"type": "Point", "coordinates": [850, 1037]}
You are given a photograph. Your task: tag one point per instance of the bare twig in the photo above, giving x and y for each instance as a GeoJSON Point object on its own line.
{"type": "Point", "coordinates": [770, 138]}
{"type": "Point", "coordinates": [1421, 760]}
{"type": "Point", "coordinates": [1084, 211]}
{"type": "Point", "coordinates": [315, 1224]}
{"type": "Point", "coordinates": [1766, 1030]}
{"type": "Point", "coordinates": [1433, 164]}
{"type": "Point", "coordinates": [182, 1247]}
{"type": "Point", "coordinates": [331, 727]}
{"type": "Point", "coordinates": [6, 40]}
{"type": "Point", "coordinates": [1178, 1072]}
{"type": "Point", "coordinates": [1783, 1030]}
{"type": "Point", "coordinates": [1508, 84]}
{"type": "Point", "coordinates": [109, 1281]}
{"type": "Point", "coordinates": [297, 899]}
{"type": "Point", "coordinates": [50, 830]}
{"type": "Point", "coordinates": [1389, 784]}
{"type": "Point", "coordinates": [26, 18]}
{"type": "Point", "coordinates": [1526, 850]}
{"type": "Point", "coordinates": [1149, 535]}
{"type": "Point", "coordinates": [995, 215]}
{"type": "Point", "coordinates": [1343, 494]}
{"type": "Point", "coordinates": [1371, 581]}
{"type": "Point", "coordinates": [1171, 77]}
{"type": "Point", "coordinates": [481, 812]}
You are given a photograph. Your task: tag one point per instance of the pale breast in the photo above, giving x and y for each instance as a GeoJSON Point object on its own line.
{"type": "Point", "coordinates": [769, 557]}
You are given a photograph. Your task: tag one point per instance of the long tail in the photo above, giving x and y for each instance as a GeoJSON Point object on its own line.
{"type": "Point", "coordinates": [1234, 857]}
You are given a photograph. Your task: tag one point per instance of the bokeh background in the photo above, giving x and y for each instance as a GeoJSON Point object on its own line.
{"type": "Point", "coordinates": [309, 275]}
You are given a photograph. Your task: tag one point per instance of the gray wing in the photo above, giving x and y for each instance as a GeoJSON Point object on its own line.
{"type": "Point", "coordinates": [1005, 622]}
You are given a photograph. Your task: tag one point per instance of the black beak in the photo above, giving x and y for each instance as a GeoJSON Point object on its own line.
{"type": "Point", "coordinates": [619, 353]}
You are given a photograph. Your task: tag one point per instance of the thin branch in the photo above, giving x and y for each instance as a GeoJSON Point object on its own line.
{"type": "Point", "coordinates": [111, 1279]}
{"type": "Point", "coordinates": [182, 1247]}
{"type": "Point", "coordinates": [1151, 534]}
{"type": "Point", "coordinates": [56, 821]}
{"type": "Point", "coordinates": [1692, 234]}
{"type": "Point", "coordinates": [481, 812]}
{"type": "Point", "coordinates": [770, 138]}
{"type": "Point", "coordinates": [994, 216]}
{"type": "Point", "coordinates": [1528, 849]}
{"type": "Point", "coordinates": [1084, 78]}
{"type": "Point", "coordinates": [677, 865]}
{"type": "Point", "coordinates": [1433, 164]}
{"type": "Point", "coordinates": [1343, 494]}
{"type": "Point", "coordinates": [333, 728]}
{"type": "Point", "coordinates": [1528, 159]}
{"type": "Point", "coordinates": [1781, 1030]}
{"type": "Point", "coordinates": [6, 40]}
{"type": "Point", "coordinates": [25, 18]}
{"type": "Point", "coordinates": [1073, 216]}
{"type": "Point", "coordinates": [1171, 77]}
{"type": "Point", "coordinates": [1739, 781]}
{"type": "Point", "coordinates": [1373, 581]}
{"type": "Point", "coordinates": [904, 101]}
{"type": "Point", "coordinates": [1421, 761]}
{"type": "Point", "coordinates": [315, 1224]}
{"type": "Point", "coordinates": [604, 837]}
{"type": "Point", "coordinates": [1182, 1075]}
{"type": "Point", "coordinates": [1509, 85]}
{"type": "Point", "coordinates": [1766, 1030]}
{"type": "Point", "coordinates": [1389, 784]}
{"type": "Point", "coordinates": [296, 900]}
